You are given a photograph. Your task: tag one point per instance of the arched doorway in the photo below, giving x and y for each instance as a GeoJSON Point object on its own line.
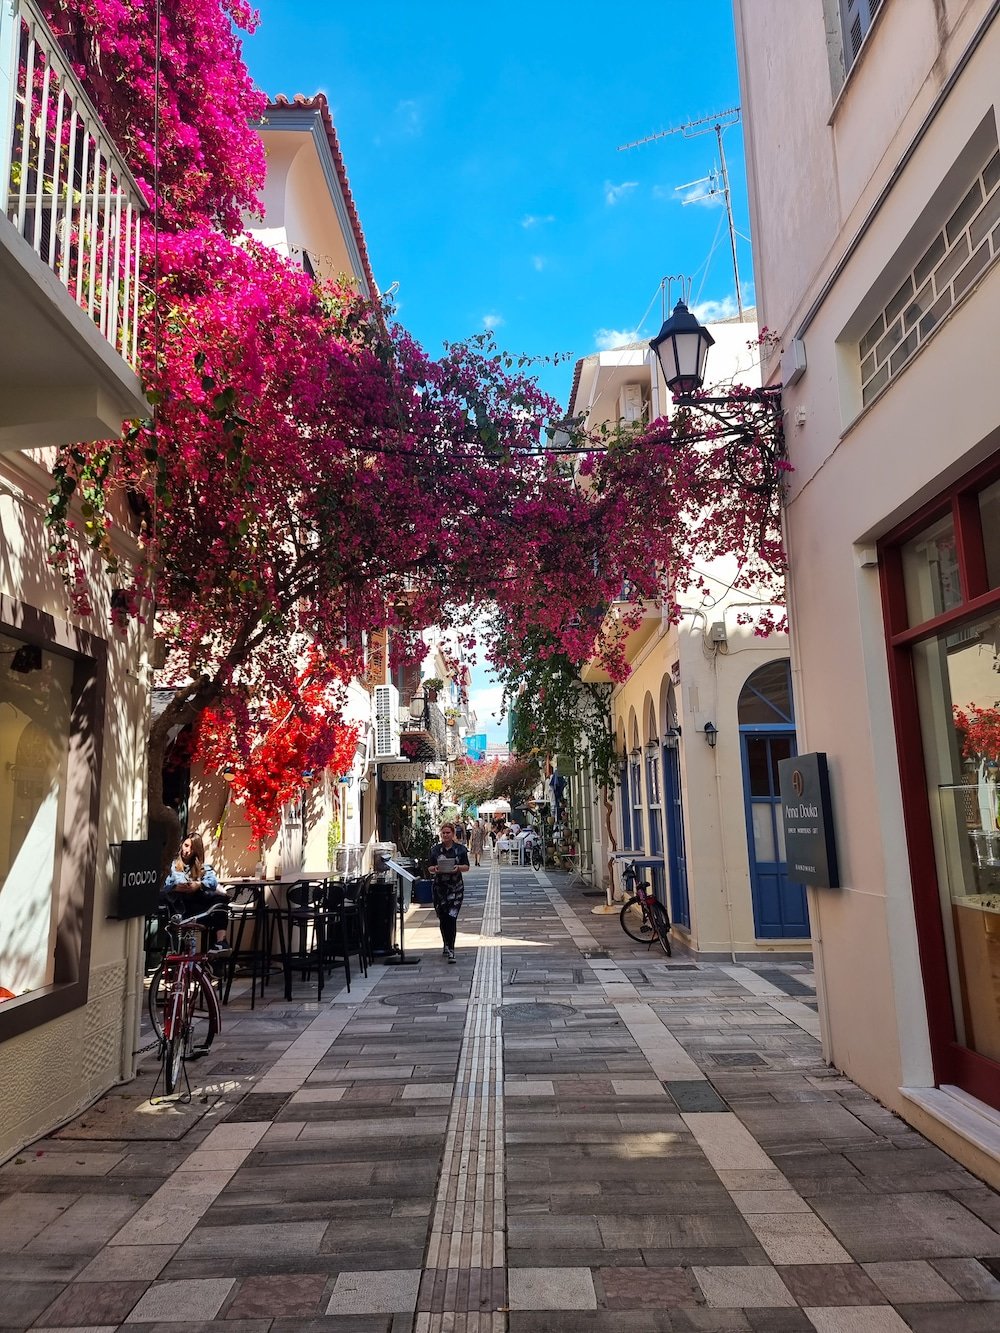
{"type": "Point", "coordinates": [767, 735]}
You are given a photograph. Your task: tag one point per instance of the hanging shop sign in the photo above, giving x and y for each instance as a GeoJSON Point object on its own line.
{"type": "Point", "coordinates": [401, 772]}
{"type": "Point", "coordinates": [807, 815]}
{"type": "Point", "coordinates": [138, 886]}
{"type": "Point", "coordinates": [433, 784]}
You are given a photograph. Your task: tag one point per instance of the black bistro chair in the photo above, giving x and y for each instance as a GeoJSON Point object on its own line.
{"type": "Point", "coordinates": [349, 897]}
{"type": "Point", "coordinates": [253, 925]}
{"type": "Point", "coordinates": [313, 926]}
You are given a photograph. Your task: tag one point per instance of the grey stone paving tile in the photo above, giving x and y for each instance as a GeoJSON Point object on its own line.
{"type": "Point", "coordinates": [911, 1280]}
{"type": "Point", "coordinates": [695, 1095]}
{"type": "Point", "coordinates": [690, 1231]}
{"type": "Point", "coordinates": [830, 1284]}
{"type": "Point", "coordinates": [380, 1323]}
{"type": "Point", "coordinates": [23, 1302]}
{"type": "Point", "coordinates": [83, 1303]}
{"type": "Point", "coordinates": [957, 1318]}
{"type": "Point", "coordinates": [85, 1226]}
{"type": "Point", "coordinates": [907, 1226]}
{"type": "Point", "coordinates": [295, 1238]}
{"type": "Point", "coordinates": [969, 1278]}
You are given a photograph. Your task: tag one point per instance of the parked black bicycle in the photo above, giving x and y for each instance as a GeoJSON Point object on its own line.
{"type": "Point", "coordinates": [643, 917]}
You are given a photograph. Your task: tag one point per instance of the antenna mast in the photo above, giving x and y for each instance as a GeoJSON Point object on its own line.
{"type": "Point", "coordinates": [691, 130]}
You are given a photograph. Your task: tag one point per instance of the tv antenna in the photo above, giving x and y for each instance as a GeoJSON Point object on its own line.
{"type": "Point", "coordinates": [717, 180]}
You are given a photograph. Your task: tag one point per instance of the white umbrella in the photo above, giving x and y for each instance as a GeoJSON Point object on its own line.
{"type": "Point", "coordinates": [498, 807]}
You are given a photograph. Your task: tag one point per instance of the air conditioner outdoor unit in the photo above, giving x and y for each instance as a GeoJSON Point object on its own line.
{"type": "Point", "coordinates": [630, 403]}
{"type": "Point", "coordinates": [386, 722]}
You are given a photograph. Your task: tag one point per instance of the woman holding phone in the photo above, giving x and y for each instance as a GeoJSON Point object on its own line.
{"type": "Point", "coordinates": [447, 865]}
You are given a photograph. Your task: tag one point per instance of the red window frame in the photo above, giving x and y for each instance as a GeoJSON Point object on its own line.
{"type": "Point", "coordinates": [953, 1063]}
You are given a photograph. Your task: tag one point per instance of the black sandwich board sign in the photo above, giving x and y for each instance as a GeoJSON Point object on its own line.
{"type": "Point", "coordinates": [807, 814]}
{"type": "Point", "coordinates": [138, 879]}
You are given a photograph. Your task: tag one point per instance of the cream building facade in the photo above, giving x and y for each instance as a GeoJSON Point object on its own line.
{"type": "Point", "coordinates": [700, 723]}
{"type": "Point", "coordinates": [310, 218]}
{"type": "Point", "coordinates": [73, 694]}
{"type": "Point", "coordinates": [874, 174]}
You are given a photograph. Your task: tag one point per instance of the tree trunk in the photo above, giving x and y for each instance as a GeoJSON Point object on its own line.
{"type": "Point", "coordinates": [612, 841]}
{"type": "Point", "coordinates": [185, 707]}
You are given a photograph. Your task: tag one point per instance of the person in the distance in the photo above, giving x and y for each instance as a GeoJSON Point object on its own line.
{"type": "Point", "coordinates": [447, 864]}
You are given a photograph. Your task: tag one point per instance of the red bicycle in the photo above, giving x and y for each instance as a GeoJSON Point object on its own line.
{"type": "Point", "coordinates": [183, 997]}
{"type": "Point", "coordinates": [643, 917]}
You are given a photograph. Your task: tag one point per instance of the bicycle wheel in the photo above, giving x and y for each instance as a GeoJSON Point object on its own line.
{"type": "Point", "coordinates": [634, 921]}
{"type": "Point", "coordinates": [536, 857]}
{"type": "Point", "coordinates": [174, 1056]}
{"type": "Point", "coordinates": [204, 1018]}
{"type": "Point", "coordinates": [156, 997]}
{"type": "Point", "coordinates": [661, 924]}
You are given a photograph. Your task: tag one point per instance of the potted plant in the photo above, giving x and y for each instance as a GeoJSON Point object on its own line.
{"type": "Point", "coordinates": [430, 687]}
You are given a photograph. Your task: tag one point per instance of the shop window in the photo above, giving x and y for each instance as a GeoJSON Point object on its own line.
{"type": "Point", "coordinates": [766, 697]}
{"type": "Point", "coordinates": [958, 694]}
{"type": "Point", "coordinates": [930, 572]}
{"type": "Point", "coordinates": [35, 708]}
{"type": "Point", "coordinates": [51, 697]}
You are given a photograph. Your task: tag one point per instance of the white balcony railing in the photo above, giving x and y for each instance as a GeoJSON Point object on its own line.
{"type": "Point", "coordinates": [70, 194]}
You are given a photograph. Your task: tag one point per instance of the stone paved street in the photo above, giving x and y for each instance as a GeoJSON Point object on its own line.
{"type": "Point", "coordinates": [564, 1132]}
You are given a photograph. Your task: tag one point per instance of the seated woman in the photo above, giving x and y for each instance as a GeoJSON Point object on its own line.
{"type": "Point", "coordinates": [193, 887]}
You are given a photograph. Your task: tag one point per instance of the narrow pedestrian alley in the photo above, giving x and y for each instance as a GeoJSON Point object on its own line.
{"type": "Point", "coordinates": [564, 1131]}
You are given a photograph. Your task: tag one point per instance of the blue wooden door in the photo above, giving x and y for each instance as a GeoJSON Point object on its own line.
{"type": "Point", "coordinates": [673, 805]}
{"type": "Point", "coordinates": [779, 904]}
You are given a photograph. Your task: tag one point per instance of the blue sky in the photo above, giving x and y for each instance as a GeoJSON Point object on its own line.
{"type": "Point", "coordinates": [481, 147]}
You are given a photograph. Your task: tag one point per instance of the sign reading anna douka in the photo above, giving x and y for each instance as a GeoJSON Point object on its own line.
{"type": "Point", "coordinates": [807, 814]}
{"type": "Point", "coordinates": [138, 879]}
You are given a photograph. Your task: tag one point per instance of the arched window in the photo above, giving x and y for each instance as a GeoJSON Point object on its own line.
{"type": "Point", "coordinates": [766, 697]}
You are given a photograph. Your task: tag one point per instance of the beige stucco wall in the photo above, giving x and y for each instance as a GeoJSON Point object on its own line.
{"type": "Point", "coordinates": [56, 1069]}
{"type": "Point", "coordinates": [712, 780]}
{"type": "Point", "coordinates": [816, 170]}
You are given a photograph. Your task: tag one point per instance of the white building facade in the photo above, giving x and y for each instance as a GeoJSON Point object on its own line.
{"type": "Point", "coordinates": [73, 695]}
{"type": "Point", "coordinates": [874, 173]}
{"type": "Point", "coordinates": [700, 724]}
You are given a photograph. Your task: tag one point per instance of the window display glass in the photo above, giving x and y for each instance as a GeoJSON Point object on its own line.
{"type": "Point", "coordinates": [958, 692]}
{"type": "Point", "coordinates": [930, 572]}
{"type": "Point", "coordinates": [35, 714]}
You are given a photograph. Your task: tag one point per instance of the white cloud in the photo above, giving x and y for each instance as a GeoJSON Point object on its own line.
{"type": "Point", "coordinates": [702, 194]}
{"type": "Point", "coordinates": [607, 339]}
{"type": "Point", "coordinates": [538, 262]}
{"type": "Point", "coordinates": [613, 193]}
{"type": "Point", "coordinates": [531, 220]}
{"type": "Point", "coordinates": [493, 321]}
{"type": "Point", "coordinates": [712, 311]}
{"type": "Point", "coordinates": [409, 117]}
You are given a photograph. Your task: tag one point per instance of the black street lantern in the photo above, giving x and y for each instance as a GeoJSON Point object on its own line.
{"type": "Point", "coordinates": [682, 347]}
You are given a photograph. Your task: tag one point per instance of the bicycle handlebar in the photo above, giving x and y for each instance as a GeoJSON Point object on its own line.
{"type": "Point", "coordinates": [177, 920]}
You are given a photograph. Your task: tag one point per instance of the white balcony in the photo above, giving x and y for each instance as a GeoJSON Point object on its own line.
{"type": "Point", "coordinates": [70, 242]}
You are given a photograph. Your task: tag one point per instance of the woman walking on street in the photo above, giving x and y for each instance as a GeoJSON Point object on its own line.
{"type": "Point", "coordinates": [447, 865]}
{"type": "Point", "coordinates": [477, 842]}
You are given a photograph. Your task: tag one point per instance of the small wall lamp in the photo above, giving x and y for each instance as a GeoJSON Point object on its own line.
{"type": "Point", "coordinates": [671, 738]}
{"type": "Point", "coordinates": [711, 734]}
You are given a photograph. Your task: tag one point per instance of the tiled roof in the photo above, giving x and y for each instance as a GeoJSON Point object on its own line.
{"type": "Point", "coordinates": [320, 104]}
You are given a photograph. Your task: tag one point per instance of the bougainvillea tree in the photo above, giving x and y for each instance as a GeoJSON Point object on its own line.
{"type": "Point", "coordinates": [311, 474]}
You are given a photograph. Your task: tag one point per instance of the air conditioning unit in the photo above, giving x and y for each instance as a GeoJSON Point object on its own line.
{"type": "Point", "coordinates": [630, 406]}
{"type": "Point", "coordinates": [386, 722]}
